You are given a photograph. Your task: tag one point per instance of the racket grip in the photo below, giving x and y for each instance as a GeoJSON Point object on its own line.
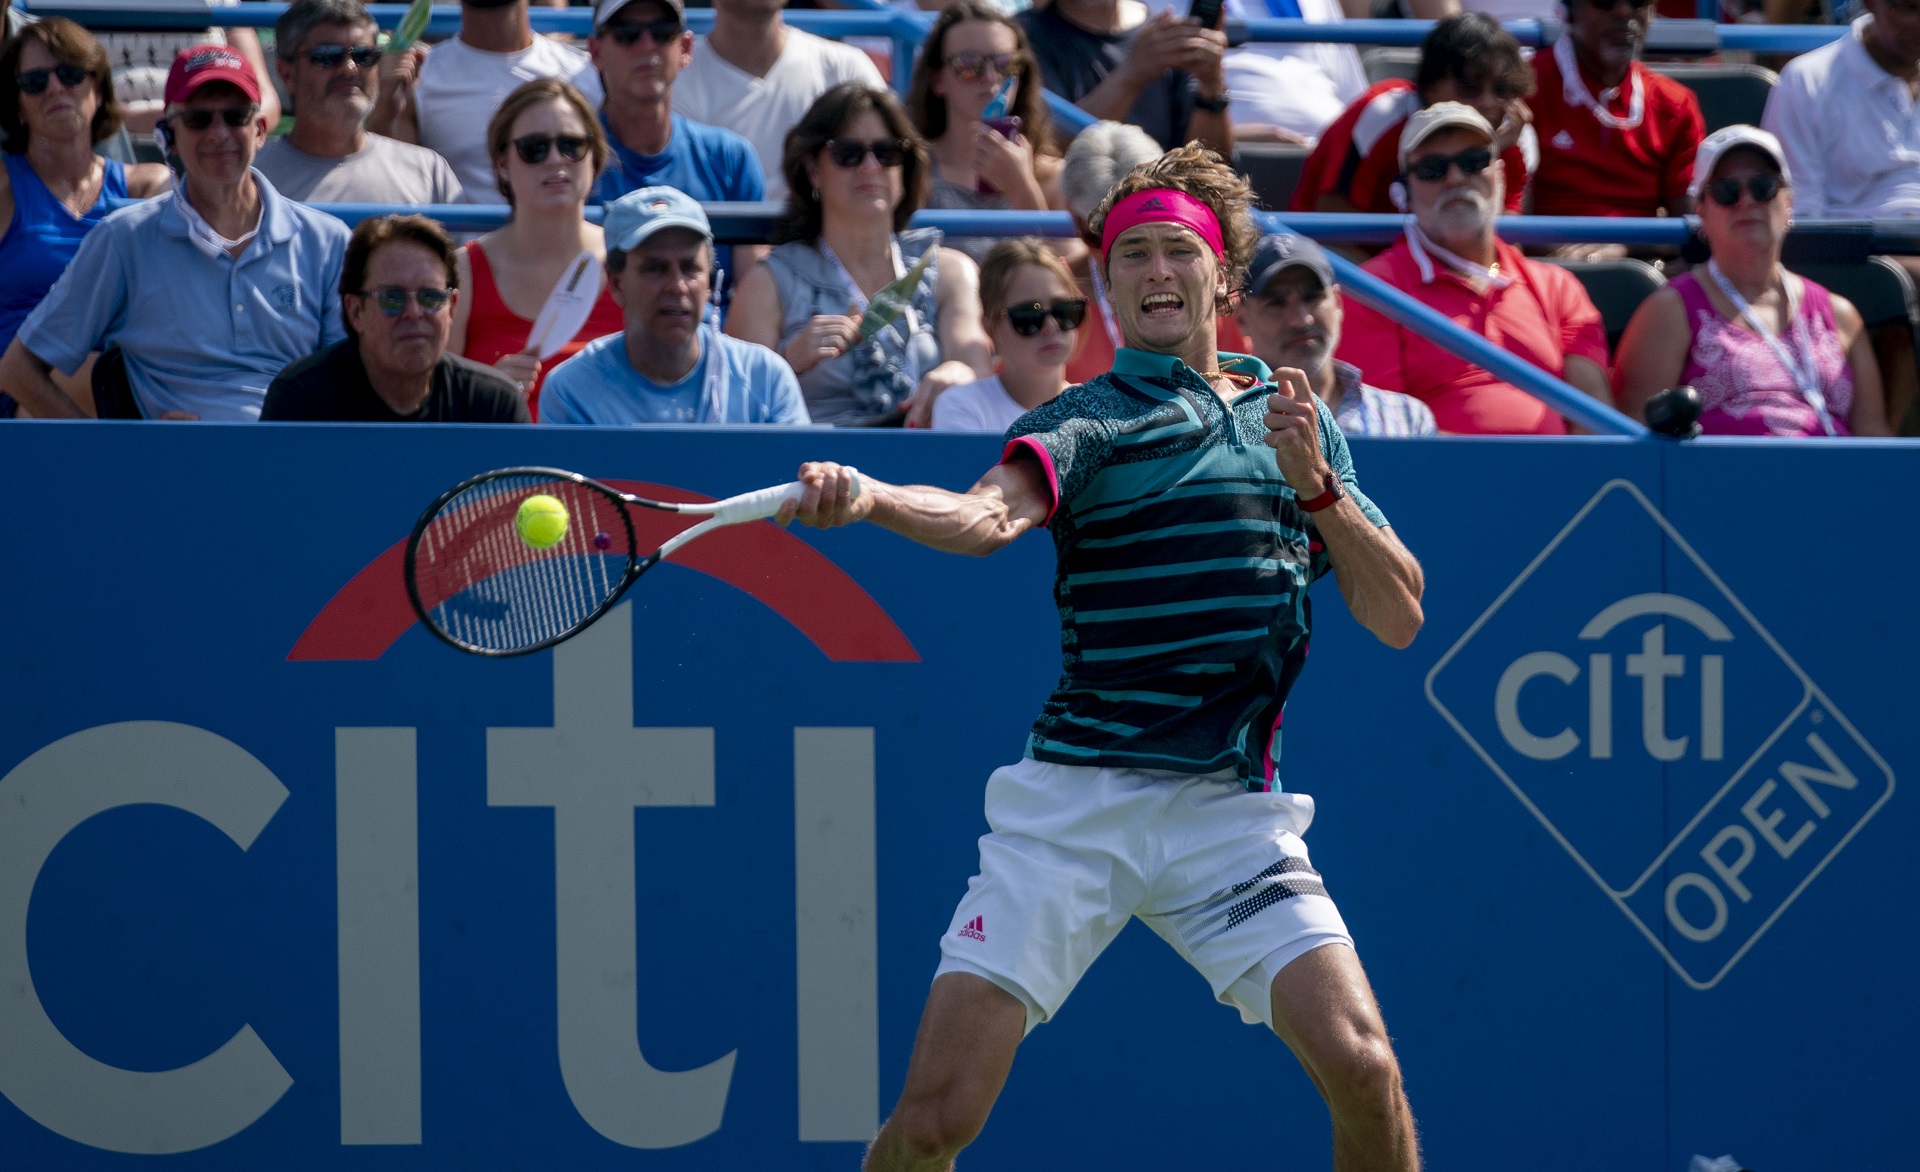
{"type": "Point", "coordinates": [753, 506]}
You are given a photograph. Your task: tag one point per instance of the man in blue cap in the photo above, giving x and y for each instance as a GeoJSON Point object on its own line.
{"type": "Point", "coordinates": [668, 365]}
{"type": "Point", "coordinates": [1291, 317]}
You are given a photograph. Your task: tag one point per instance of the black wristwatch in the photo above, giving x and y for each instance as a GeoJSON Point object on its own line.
{"type": "Point", "coordinates": [1215, 105]}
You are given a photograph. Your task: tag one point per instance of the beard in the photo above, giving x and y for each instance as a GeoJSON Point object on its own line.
{"type": "Point", "coordinates": [1307, 354]}
{"type": "Point", "coordinates": [1461, 212]}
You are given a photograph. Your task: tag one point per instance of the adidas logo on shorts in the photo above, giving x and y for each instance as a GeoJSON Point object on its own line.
{"type": "Point", "coordinates": [976, 929]}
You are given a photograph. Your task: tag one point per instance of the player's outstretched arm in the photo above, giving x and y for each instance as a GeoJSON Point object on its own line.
{"type": "Point", "coordinates": [1009, 500]}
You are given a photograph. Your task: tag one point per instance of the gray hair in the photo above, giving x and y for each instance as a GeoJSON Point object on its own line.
{"type": "Point", "coordinates": [302, 16]}
{"type": "Point", "coordinates": [1100, 155]}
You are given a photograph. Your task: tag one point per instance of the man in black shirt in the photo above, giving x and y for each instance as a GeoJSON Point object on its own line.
{"type": "Point", "coordinates": [1162, 73]}
{"type": "Point", "coordinates": [397, 292]}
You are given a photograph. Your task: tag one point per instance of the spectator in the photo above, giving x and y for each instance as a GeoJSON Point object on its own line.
{"type": "Point", "coordinates": [397, 288]}
{"type": "Point", "coordinates": [446, 102]}
{"type": "Point", "coordinates": [1617, 139]}
{"type": "Point", "coordinates": [1291, 314]}
{"type": "Point", "coordinates": [329, 61]}
{"type": "Point", "coordinates": [1033, 312]}
{"type": "Point", "coordinates": [967, 53]}
{"type": "Point", "coordinates": [1771, 353]}
{"type": "Point", "coordinates": [755, 75]}
{"type": "Point", "coordinates": [208, 294]}
{"type": "Point", "coordinates": [57, 105]}
{"type": "Point", "coordinates": [1451, 260]}
{"type": "Point", "coordinates": [1844, 115]}
{"type": "Point", "coordinates": [1466, 58]}
{"type": "Point", "coordinates": [856, 173]}
{"type": "Point", "coordinates": [547, 147]}
{"type": "Point", "coordinates": [668, 365]}
{"type": "Point", "coordinates": [1162, 73]}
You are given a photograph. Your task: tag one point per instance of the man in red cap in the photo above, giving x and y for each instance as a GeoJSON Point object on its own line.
{"type": "Point", "coordinates": [208, 293]}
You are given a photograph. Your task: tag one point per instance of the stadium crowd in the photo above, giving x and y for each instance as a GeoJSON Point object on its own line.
{"type": "Point", "coordinates": [208, 287]}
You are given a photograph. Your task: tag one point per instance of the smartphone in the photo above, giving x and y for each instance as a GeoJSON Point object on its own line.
{"type": "Point", "coordinates": [1206, 13]}
{"type": "Point", "coordinates": [1009, 129]}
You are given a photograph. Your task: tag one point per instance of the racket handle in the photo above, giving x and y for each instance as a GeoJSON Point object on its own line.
{"type": "Point", "coordinates": [753, 506]}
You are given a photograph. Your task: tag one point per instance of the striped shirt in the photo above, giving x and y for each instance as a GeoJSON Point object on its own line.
{"type": "Point", "coordinates": [1366, 410]}
{"type": "Point", "coordinates": [1184, 562]}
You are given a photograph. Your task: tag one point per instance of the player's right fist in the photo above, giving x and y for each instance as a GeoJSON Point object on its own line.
{"type": "Point", "coordinates": [834, 497]}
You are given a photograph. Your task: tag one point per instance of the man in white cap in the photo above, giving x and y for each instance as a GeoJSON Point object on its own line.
{"type": "Point", "coordinates": [1450, 258]}
{"type": "Point", "coordinates": [668, 365]}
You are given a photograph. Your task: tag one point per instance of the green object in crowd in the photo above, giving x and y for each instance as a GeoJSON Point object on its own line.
{"type": "Point", "coordinates": [889, 303]}
{"type": "Point", "coordinates": [411, 26]}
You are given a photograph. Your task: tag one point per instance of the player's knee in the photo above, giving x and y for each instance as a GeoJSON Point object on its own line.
{"type": "Point", "coordinates": [1361, 1074]}
{"type": "Point", "coordinates": [934, 1130]}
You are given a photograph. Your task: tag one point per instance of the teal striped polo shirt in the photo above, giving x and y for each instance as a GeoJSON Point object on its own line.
{"type": "Point", "coordinates": [1184, 563]}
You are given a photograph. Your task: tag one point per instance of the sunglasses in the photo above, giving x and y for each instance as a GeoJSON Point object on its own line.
{"type": "Point", "coordinates": [234, 116]}
{"type": "Point", "coordinates": [851, 152]}
{"type": "Point", "coordinates": [660, 32]}
{"type": "Point", "coordinates": [970, 66]}
{"type": "Point", "coordinates": [34, 81]}
{"type": "Point", "coordinates": [1029, 319]}
{"type": "Point", "coordinates": [1762, 187]}
{"type": "Point", "coordinates": [392, 299]}
{"type": "Point", "coordinates": [333, 56]}
{"type": "Point", "coordinates": [533, 147]}
{"type": "Point", "coordinates": [1433, 168]}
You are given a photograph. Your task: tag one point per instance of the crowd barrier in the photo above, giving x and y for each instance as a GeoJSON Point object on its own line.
{"type": "Point", "coordinates": [285, 882]}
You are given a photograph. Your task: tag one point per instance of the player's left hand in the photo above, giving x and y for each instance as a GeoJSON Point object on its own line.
{"type": "Point", "coordinates": [829, 501]}
{"type": "Point", "coordinates": [1293, 432]}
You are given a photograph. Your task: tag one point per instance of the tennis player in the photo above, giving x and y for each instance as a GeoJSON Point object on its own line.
{"type": "Point", "coordinates": [1193, 497]}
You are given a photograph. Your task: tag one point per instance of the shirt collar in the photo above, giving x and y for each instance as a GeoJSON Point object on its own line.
{"type": "Point", "coordinates": [1147, 364]}
{"type": "Point", "coordinates": [1864, 67]}
{"type": "Point", "coordinates": [1348, 376]}
{"type": "Point", "coordinates": [624, 152]}
{"type": "Point", "coordinates": [276, 218]}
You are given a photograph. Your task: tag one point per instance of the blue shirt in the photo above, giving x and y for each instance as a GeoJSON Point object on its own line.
{"type": "Point", "coordinates": [1183, 565]}
{"type": "Point", "coordinates": [708, 163]}
{"type": "Point", "coordinates": [599, 387]}
{"type": "Point", "coordinates": [200, 334]}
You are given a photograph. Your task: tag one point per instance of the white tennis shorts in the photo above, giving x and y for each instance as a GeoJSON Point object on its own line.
{"type": "Point", "coordinates": [1220, 872]}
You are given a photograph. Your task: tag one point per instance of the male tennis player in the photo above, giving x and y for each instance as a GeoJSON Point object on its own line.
{"type": "Point", "coordinates": [1193, 497]}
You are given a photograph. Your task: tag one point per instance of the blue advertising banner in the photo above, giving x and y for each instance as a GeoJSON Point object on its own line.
{"type": "Point", "coordinates": [286, 881]}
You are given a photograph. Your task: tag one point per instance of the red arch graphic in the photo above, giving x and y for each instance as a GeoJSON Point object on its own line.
{"type": "Point", "coordinates": [788, 576]}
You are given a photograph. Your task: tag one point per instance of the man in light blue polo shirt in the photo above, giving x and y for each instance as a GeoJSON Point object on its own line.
{"type": "Point", "coordinates": [668, 365]}
{"type": "Point", "coordinates": [208, 293]}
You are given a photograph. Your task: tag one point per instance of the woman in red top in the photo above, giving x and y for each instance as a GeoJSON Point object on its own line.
{"type": "Point", "coordinates": [547, 147]}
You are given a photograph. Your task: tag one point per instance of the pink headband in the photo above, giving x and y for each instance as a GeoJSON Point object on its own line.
{"type": "Point", "coordinates": [1162, 206]}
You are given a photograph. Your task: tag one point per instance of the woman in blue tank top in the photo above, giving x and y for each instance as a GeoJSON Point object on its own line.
{"type": "Point", "coordinates": [56, 102]}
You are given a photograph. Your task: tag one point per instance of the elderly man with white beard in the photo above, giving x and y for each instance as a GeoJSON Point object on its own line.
{"type": "Point", "coordinates": [1450, 258]}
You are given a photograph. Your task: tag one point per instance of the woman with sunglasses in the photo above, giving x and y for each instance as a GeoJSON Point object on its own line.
{"type": "Point", "coordinates": [1771, 353]}
{"type": "Point", "coordinates": [56, 103]}
{"type": "Point", "coordinates": [547, 147]}
{"type": "Point", "coordinates": [1033, 314]}
{"type": "Point", "coordinates": [967, 55]}
{"type": "Point", "coordinates": [856, 171]}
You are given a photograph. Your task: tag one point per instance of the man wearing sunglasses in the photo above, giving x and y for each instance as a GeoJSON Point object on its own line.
{"type": "Point", "coordinates": [207, 294]}
{"type": "Point", "coordinates": [1450, 258]}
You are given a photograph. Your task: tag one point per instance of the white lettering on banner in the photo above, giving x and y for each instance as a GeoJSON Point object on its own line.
{"type": "Point", "coordinates": [593, 768]}
{"type": "Point", "coordinates": [46, 796]}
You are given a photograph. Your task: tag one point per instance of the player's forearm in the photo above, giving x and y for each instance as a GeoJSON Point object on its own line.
{"type": "Point", "coordinates": [975, 523]}
{"type": "Point", "coordinates": [1378, 577]}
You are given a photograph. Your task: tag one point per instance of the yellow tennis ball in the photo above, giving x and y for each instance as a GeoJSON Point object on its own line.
{"type": "Point", "coordinates": [542, 521]}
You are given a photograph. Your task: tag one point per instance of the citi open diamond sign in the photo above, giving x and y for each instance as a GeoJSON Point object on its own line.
{"type": "Point", "coordinates": [1660, 734]}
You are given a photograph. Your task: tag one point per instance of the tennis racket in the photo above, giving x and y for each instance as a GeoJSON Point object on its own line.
{"type": "Point", "coordinates": [478, 584]}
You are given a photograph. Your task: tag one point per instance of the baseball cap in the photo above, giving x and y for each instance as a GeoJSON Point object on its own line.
{"type": "Point", "coordinates": [197, 65]}
{"type": "Point", "coordinates": [639, 214]}
{"type": "Point", "coordinates": [1440, 116]}
{"type": "Point", "coordinates": [603, 11]}
{"type": "Point", "coordinates": [1284, 250]}
{"type": "Point", "coordinates": [1717, 144]}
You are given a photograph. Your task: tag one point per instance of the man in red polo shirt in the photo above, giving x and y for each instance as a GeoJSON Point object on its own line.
{"type": "Point", "coordinates": [1468, 57]}
{"type": "Point", "coordinates": [1450, 259]}
{"type": "Point", "coordinates": [1616, 139]}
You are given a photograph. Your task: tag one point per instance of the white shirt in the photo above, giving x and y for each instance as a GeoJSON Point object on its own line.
{"type": "Point", "coordinates": [460, 87]}
{"type": "Point", "coordinates": [713, 90]}
{"type": "Point", "coordinates": [1850, 130]}
{"type": "Point", "coordinates": [983, 405]}
{"type": "Point", "coordinates": [1300, 87]}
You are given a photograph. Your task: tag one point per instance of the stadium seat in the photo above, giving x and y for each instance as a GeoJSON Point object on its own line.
{"type": "Point", "coordinates": [1617, 288]}
{"type": "Point", "coordinates": [1884, 294]}
{"type": "Point", "coordinates": [1384, 63]}
{"type": "Point", "coordinates": [1727, 93]}
{"type": "Point", "coordinates": [1273, 168]}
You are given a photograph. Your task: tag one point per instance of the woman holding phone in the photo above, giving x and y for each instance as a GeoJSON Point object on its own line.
{"type": "Point", "coordinates": [983, 163]}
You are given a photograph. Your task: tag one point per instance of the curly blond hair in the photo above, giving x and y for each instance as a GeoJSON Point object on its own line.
{"type": "Point", "coordinates": [1205, 176]}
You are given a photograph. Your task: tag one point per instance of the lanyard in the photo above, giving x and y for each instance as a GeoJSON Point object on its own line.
{"type": "Point", "coordinates": [1805, 377]}
{"type": "Point", "coordinates": [1573, 88]}
{"type": "Point", "coordinates": [1106, 310]}
{"type": "Point", "coordinates": [860, 299]}
{"type": "Point", "coordinates": [1419, 245]}
{"type": "Point", "coordinates": [713, 392]}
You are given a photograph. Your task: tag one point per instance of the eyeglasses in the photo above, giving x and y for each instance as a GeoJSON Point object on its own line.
{"type": "Point", "coordinates": [851, 152]}
{"type": "Point", "coordinates": [234, 116]}
{"type": "Point", "coordinates": [34, 81]}
{"type": "Point", "coordinates": [533, 148]}
{"type": "Point", "coordinates": [333, 56]}
{"type": "Point", "coordinates": [1433, 168]}
{"type": "Point", "coordinates": [970, 66]}
{"type": "Point", "coordinates": [1029, 319]}
{"type": "Point", "coordinates": [392, 299]}
{"type": "Point", "coordinates": [660, 32]}
{"type": "Point", "coordinates": [1762, 187]}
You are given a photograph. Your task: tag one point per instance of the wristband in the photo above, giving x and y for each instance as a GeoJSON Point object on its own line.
{"type": "Point", "coordinates": [1215, 105]}
{"type": "Point", "coordinates": [1332, 492]}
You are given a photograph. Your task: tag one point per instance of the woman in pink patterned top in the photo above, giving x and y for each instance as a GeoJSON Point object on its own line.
{"type": "Point", "coordinates": [1771, 353]}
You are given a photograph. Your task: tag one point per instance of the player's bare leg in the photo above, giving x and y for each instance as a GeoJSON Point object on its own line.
{"type": "Point", "coordinates": [961, 1057]}
{"type": "Point", "coordinates": [1323, 1008]}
